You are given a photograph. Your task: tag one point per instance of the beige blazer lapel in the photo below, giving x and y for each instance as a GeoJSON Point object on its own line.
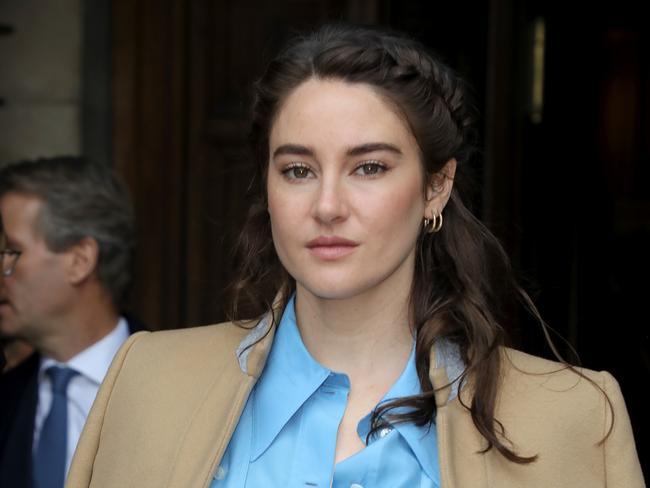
{"type": "Point", "coordinates": [459, 443]}
{"type": "Point", "coordinates": [215, 420]}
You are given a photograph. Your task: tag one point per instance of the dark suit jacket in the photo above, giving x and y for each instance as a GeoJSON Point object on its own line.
{"type": "Point", "coordinates": [18, 399]}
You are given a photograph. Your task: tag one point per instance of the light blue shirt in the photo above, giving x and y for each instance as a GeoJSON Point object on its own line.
{"type": "Point", "coordinates": [286, 436]}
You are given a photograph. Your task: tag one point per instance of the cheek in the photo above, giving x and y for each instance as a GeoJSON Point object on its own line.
{"type": "Point", "coordinates": [277, 209]}
{"type": "Point", "coordinates": [399, 213]}
{"type": "Point", "coordinates": [284, 218]}
{"type": "Point", "coordinates": [38, 281]}
{"type": "Point", "coordinates": [24, 291]}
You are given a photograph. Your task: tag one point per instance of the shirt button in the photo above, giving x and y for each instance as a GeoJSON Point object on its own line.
{"type": "Point", "coordinates": [356, 485]}
{"type": "Point", "coordinates": [385, 431]}
{"type": "Point", "coordinates": [221, 473]}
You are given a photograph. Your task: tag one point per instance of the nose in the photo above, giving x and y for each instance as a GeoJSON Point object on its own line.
{"type": "Point", "coordinates": [330, 203]}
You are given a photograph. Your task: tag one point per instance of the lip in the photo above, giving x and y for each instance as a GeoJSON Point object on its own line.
{"type": "Point", "coordinates": [331, 247]}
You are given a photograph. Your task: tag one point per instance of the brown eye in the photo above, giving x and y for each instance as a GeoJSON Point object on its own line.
{"type": "Point", "coordinates": [371, 168]}
{"type": "Point", "coordinates": [300, 172]}
{"type": "Point", "coordinates": [297, 172]}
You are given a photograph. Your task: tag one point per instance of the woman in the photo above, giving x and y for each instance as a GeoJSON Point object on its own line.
{"type": "Point", "coordinates": [380, 361]}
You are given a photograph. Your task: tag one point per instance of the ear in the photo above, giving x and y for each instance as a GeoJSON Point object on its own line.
{"type": "Point", "coordinates": [439, 189]}
{"type": "Point", "coordinates": [83, 257]}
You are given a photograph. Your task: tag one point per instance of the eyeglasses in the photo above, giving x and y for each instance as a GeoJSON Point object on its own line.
{"type": "Point", "coordinates": [9, 257]}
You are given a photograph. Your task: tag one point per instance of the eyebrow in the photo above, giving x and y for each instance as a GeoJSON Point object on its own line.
{"type": "Point", "coordinates": [292, 149]}
{"type": "Point", "coordinates": [298, 150]}
{"type": "Point", "coordinates": [373, 147]}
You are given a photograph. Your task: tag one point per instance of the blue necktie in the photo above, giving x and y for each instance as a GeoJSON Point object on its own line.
{"type": "Point", "coordinates": [50, 456]}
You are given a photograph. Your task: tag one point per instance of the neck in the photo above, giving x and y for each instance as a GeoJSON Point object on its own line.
{"type": "Point", "coordinates": [80, 328]}
{"type": "Point", "coordinates": [365, 336]}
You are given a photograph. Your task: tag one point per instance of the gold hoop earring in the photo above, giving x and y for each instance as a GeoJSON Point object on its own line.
{"type": "Point", "coordinates": [438, 224]}
{"type": "Point", "coordinates": [433, 225]}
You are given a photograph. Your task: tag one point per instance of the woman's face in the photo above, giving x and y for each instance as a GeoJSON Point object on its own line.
{"type": "Point", "coordinates": [345, 191]}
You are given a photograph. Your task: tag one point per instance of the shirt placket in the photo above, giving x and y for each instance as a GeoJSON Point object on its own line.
{"type": "Point", "coordinates": [322, 414]}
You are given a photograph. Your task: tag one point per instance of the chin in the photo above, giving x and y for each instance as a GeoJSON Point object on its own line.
{"type": "Point", "coordinates": [329, 294]}
{"type": "Point", "coordinates": [328, 288]}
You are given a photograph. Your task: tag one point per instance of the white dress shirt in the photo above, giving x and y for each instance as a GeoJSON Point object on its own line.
{"type": "Point", "coordinates": [92, 364]}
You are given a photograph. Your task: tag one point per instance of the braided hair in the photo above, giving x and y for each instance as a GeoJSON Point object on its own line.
{"type": "Point", "coordinates": [462, 273]}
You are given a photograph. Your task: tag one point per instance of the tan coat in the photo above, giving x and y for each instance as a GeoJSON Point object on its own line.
{"type": "Point", "coordinates": [171, 401]}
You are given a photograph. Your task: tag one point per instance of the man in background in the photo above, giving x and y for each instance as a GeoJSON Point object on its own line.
{"type": "Point", "coordinates": [12, 351]}
{"type": "Point", "coordinates": [68, 230]}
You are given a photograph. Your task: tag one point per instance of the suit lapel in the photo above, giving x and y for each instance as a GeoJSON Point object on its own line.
{"type": "Point", "coordinates": [134, 324]}
{"type": "Point", "coordinates": [19, 396]}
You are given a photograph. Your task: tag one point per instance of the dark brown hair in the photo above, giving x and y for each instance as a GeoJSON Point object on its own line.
{"type": "Point", "coordinates": [461, 274]}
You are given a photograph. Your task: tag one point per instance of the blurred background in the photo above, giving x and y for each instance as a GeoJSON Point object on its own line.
{"type": "Point", "coordinates": [160, 91]}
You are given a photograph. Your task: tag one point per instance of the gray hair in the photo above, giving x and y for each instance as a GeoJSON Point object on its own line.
{"type": "Point", "coordinates": [80, 200]}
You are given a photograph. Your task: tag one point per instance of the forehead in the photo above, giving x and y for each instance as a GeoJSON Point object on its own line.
{"type": "Point", "coordinates": [339, 113]}
{"type": "Point", "coordinates": [19, 212]}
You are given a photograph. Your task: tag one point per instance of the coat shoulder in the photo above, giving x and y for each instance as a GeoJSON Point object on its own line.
{"type": "Point", "coordinates": [179, 358]}
{"type": "Point", "coordinates": [224, 333]}
{"type": "Point", "coordinates": [196, 345]}
{"type": "Point", "coordinates": [530, 380]}
{"type": "Point", "coordinates": [573, 420]}
{"type": "Point", "coordinates": [541, 401]}
{"type": "Point", "coordinates": [527, 370]}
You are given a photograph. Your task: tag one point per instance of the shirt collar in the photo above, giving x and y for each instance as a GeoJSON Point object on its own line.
{"type": "Point", "coordinates": [448, 357]}
{"type": "Point", "coordinates": [292, 374]}
{"type": "Point", "coordinates": [93, 362]}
